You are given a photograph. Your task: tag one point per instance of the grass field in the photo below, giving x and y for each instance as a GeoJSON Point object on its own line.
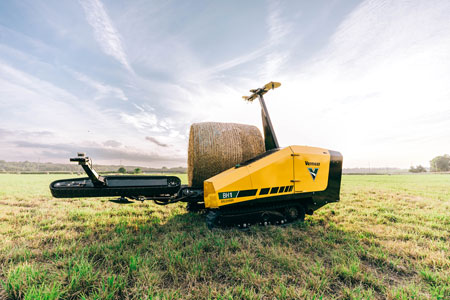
{"type": "Point", "coordinates": [388, 238]}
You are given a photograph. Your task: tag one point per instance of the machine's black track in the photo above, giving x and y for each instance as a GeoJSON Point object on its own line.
{"type": "Point", "coordinates": [268, 214]}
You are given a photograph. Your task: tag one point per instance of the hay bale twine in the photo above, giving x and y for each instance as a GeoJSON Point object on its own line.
{"type": "Point", "coordinates": [215, 147]}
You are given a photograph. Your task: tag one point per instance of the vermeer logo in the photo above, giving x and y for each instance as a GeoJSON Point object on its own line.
{"type": "Point", "coordinates": [313, 172]}
{"type": "Point", "coordinates": [310, 163]}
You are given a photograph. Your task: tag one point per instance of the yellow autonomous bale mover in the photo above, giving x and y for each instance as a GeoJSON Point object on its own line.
{"type": "Point", "coordinates": [276, 187]}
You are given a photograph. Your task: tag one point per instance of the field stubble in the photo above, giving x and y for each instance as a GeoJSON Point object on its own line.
{"type": "Point", "coordinates": [389, 237]}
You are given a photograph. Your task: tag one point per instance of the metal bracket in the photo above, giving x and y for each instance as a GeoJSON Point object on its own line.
{"type": "Point", "coordinates": [86, 163]}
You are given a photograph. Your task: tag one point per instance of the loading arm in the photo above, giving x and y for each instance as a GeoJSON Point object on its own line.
{"type": "Point", "coordinates": [270, 139]}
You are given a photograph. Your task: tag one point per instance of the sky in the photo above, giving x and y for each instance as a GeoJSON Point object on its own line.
{"type": "Point", "coordinates": [123, 80]}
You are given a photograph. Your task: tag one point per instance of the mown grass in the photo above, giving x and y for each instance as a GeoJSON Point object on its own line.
{"type": "Point", "coordinates": [388, 238]}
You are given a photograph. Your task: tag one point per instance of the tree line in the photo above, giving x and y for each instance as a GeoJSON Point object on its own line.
{"type": "Point", "coordinates": [438, 164]}
{"type": "Point", "coordinates": [26, 166]}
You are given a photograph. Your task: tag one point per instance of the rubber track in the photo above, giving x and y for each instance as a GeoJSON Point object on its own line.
{"type": "Point", "coordinates": [214, 216]}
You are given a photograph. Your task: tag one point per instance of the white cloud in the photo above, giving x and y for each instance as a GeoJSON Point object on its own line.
{"type": "Point", "coordinates": [104, 31]}
{"type": "Point", "coordinates": [278, 29]}
{"type": "Point", "coordinates": [365, 93]}
{"type": "Point", "coordinates": [35, 112]}
{"type": "Point", "coordinates": [143, 120]}
{"type": "Point", "coordinates": [102, 90]}
{"type": "Point", "coordinates": [208, 73]}
{"type": "Point", "coordinates": [32, 84]}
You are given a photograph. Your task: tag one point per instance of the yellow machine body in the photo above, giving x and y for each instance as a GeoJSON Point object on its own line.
{"type": "Point", "coordinates": [281, 174]}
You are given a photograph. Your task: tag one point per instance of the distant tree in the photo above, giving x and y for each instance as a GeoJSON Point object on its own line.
{"type": "Point", "coordinates": [440, 163]}
{"type": "Point", "coordinates": [122, 170]}
{"type": "Point", "coordinates": [137, 171]}
{"type": "Point", "coordinates": [418, 169]}
{"type": "Point", "coordinates": [421, 169]}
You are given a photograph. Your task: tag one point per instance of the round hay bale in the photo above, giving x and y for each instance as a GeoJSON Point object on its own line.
{"type": "Point", "coordinates": [215, 147]}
